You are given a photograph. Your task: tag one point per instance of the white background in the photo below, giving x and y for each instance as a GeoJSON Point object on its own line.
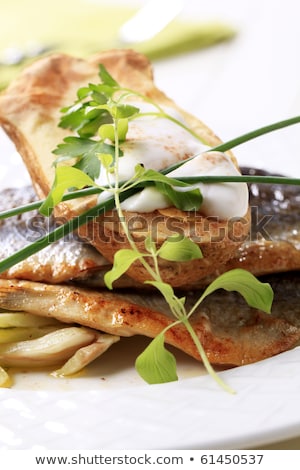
{"type": "Point", "coordinates": [234, 87]}
{"type": "Point", "coordinates": [246, 83]}
{"type": "Point", "coordinates": [242, 84]}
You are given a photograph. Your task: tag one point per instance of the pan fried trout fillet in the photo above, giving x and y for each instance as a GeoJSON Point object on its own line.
{"type": "Point", "coordinates": [230, 332]}
{"type": "Point", "coordinates": [274, 240]}
{"type": "Point", "coordinates": [62, 261]}
{"type": "Point", "coordinates": [30, 113]}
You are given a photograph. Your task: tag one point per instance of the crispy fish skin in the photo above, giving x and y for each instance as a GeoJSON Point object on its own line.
{"type": "Point", "coordinates": [273, 243]}
{"type": "Point", "coordinates": [65, 259]}
{"type": "Point", "coordinates": [231, 333]}
{"type": "Point", "coordinates": [30, 113]}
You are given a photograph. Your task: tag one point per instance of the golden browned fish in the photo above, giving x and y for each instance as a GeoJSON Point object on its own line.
{"type": "Point", "coordinates": [273, 244]}
{"type": "Point", "coordinates": [65, 259]}
{"type": "Point", "coordinates": [230, 332]}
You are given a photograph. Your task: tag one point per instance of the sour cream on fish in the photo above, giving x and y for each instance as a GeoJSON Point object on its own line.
{"type": "Point", "coordinates": [157, 142]}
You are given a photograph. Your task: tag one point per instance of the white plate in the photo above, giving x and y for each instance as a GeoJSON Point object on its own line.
{"type": "Point", "coordinates": [190, 414]}
{"type": "Point", "coordinates": [234, 88]}
{"type": "Point", "coordinates": [110, 407]}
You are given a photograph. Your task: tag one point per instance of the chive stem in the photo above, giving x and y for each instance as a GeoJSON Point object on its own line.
{"type": "Point", "coordinates": [184, 179]}
{"type": "Point", "coordinates": [54, 236]}
{"type": "Point", "coordinates": [20, 210]}
{"type": "Point", "coordinates": [37, 204]}
{"type": "Point", "coordinates": [99, 209]}
{"type": "Point", "coordinates": [230, 144]}
{"type": "Point", "coordinates": [204, 179]}
{"type": "Point", "coordinates": [240, 179]}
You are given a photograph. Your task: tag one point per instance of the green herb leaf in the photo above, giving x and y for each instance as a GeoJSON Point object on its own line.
{"type": "Point", "coordinates": [153, 176]}
{"type": "Point", "coordinates": [175, 303]}
{"type": "Point", "coordinates": [92, 122]}
{"type": "Point", "coordinates": [75, 147]}
{"type": "Point", "coordinates": [106, 78]}
{"type": "Point", "coordinates": [106, 160]}
{"type": "Point", "coordinates": [90, 165]}
{"type": "Point", "coordinates": [84, 119]}
{"type": "Point", "coordinates": [150, 245]}
{"type": "Point", "coordinates": [123, 259]}
{"type": "Point", "coordinates": [73, 118]}
{"type": "Point", "coordinates": [122, 129]}
{"type": "Point", "coordinates": [86, 151]}
{"type": "Point", "coordinates": [179, 248]}
{"type": "Point", "coordinates": [66, 177]}
{"type": "Point", "coordinates": [156, 364]}
{"type": "Point", "coordinates": [122, 111]}
{"type": "Point", "coordinates": [100, 93]}
{"type": "Point", "coordinates": [139, 171]}
{"type": "Point", "coordinates": [82, 93]}
{"type": "Point", "coordinates": [165, 289]}
{"type": "Point", "coordinates": [185, 200]}
{"type": "Point", "coordinates": [107, 131]}
{"type": "Point", "coordinates": [257, 294]}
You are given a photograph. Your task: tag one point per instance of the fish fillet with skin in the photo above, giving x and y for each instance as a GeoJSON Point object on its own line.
{"type": "Point", "coordinates": [230, 332]}
{"type": "Point", "coordinates": [62, 261]}
{"type": "Point", "coordinates": [273, 243]}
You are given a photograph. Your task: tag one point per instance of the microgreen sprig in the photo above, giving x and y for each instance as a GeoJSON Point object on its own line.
{"type": "Point", "coordinates": [93, 114]}
{"type": "Point", "coordinates": [162, 362]}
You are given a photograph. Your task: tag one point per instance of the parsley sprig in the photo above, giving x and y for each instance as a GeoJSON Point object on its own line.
{"type": "Point", "coordinates": [100, 117]}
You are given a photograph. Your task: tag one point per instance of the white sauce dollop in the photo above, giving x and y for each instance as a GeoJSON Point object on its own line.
{"type": "Point", "coordinates": [157, 143]}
